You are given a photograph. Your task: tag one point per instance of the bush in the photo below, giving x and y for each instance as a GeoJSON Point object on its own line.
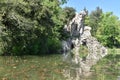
{"type": "Point", "coordinates": [31, 27]}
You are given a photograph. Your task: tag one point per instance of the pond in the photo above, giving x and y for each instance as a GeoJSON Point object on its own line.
{"type": "Point", "coordinates": [52, 67]}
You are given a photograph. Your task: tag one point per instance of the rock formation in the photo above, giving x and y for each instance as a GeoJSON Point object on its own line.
{"type": "Point", "coordinates": [80, 35]}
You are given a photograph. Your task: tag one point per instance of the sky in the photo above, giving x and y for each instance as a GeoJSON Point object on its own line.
{"type": "Point", "coordinates": [105, 5]}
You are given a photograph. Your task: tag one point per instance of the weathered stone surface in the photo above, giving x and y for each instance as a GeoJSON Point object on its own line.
{"type": "Point", "coordinates": [79, 35]}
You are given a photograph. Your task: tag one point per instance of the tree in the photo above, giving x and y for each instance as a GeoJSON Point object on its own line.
{"type": "Point", "coordinates": [87, 21]}
{"type": "Point", "coordinates": [109, 30]}
{"type": "Point", "coordinates": [94, 19]}
{"type": "Point", "coordinates": [31, 27]}
{"type": "Point", "coordinates": [69, 13]}
{"type": "Point", "coordinates": [63, 1]}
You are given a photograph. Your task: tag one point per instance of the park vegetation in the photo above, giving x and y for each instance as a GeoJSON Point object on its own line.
{"type": "Point", "coordinates": [34, 27]}
{"type": "Point", "coordinates": [105, 27]}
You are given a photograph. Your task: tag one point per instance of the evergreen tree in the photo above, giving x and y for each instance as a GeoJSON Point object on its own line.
{"type": "Point", "coordinates": [94, 19]}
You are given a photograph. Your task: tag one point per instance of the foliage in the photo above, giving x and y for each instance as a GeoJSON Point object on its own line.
{"type": "Point", "coordinates": [105, 26]}
{"type": "Point", "coordinates": [94, 19]}
{"type": "Point", "coordinates": [87, 20]}
{"type": "Point", "coordinates": [109, 31]}
{"type": "Point", "coordinates": [63, 1]}
{"type": "Point", "coordinates": [31, 26]}
{"type": "Point", "coordinates": [69, 13]}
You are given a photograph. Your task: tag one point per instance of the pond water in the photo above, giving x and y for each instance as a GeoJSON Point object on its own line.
{"type": "Point", "coordinates": [52, 67]}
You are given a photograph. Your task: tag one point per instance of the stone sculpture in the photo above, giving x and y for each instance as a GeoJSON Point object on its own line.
{"type": "Point", "coordinates": [79, 35]}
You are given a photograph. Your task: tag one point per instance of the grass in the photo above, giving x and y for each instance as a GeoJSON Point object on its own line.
{"type": "Point", "coordinates": [51, 67]}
